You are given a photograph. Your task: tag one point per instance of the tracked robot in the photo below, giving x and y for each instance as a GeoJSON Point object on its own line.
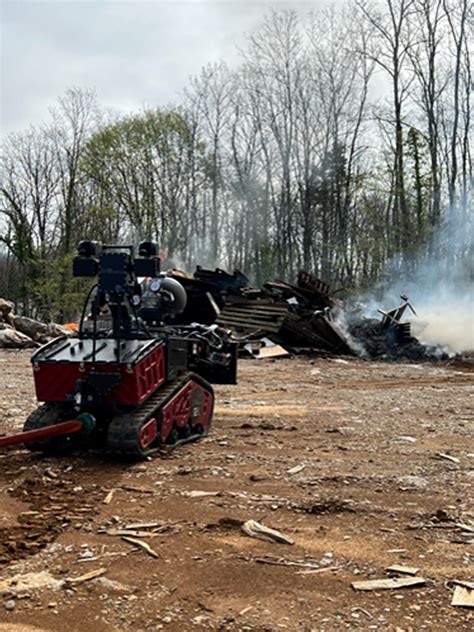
{"type": "Point", "coordinates": [131, 381]}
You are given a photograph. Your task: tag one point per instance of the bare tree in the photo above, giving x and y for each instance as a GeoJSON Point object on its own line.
{"type": "Point", "coordinates": [425, 59]}
{"type": "Point", "coordinates": [394, 40]}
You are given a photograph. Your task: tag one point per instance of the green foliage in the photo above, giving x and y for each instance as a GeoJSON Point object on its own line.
{"type": "Point", "coordinates": [57, 295]}
{"type": "Point", "coordinates": [136, 167]}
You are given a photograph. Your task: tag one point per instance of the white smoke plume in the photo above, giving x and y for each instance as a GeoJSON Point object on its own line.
{"type": "Point", "coordinates": [439, 283]}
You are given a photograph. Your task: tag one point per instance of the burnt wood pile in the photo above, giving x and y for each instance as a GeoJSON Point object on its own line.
{"type": "Point", "coordinates": [207, 292]}
{"type": "Point", "coordinates": [294, 316]}
{"type": "Point", "coordinates": [304, 317]}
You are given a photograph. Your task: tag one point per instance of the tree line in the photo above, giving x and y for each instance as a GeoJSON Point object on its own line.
{"type": "Point", "coordinates": [341, 141]}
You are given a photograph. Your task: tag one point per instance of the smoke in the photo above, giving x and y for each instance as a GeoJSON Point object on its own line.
{"type": "Point", "coordinates": [341, 321]}
{"type": "Point", "coordinates": [446, 321]}
{"type": "Point", "coordinates": [439, 283]}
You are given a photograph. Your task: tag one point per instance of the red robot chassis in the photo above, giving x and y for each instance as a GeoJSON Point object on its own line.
{"type": "Point", "coordinates": [135, 383]}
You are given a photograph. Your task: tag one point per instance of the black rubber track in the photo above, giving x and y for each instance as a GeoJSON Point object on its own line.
{"type": "Point", "coordinates": [123, 436]}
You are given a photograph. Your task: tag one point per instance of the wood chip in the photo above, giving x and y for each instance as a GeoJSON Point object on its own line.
{"type": "Point", "coordinates": [200, 494]}
{"type": "Point", "coordinates": [405, 570]}
{"type": "Point", "coordinates": [315, 571]}
{"type": "Point", "coordinates": [86, 577]}
{"type": "Point", "coordinates": [275, 351]}
{"type": "Point", "coordinates": [143, 545]}
{"type": "Point", "coordinates": [108, 499]}
{"type": "Point", "coordinates": [448, 457]}
{"type": "Point", "coordinates": [296, 469]}
{"type": "Point", "coordinates": [256, 530]}
{"type": "Point", "coordinates": [389, 584]}
{"type": "Point", "coordinates": [245, 610]}
{"type": "Point", "coordinates": [465, 527]}
{"type": "Point", "coordinates": [463, 597]}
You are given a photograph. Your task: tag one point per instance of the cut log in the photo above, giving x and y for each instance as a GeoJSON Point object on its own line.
{"type": "Point", "coordinates": [12, 339]}
{"type": "Point", "coordinates": [30, 327]}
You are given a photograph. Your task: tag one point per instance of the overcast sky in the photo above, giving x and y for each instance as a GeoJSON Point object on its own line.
{"type": "Point", "coordinates": [135, 53]}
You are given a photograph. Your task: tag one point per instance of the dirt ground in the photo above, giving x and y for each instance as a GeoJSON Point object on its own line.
{"type": "Point", "coordinates": [372, 491]}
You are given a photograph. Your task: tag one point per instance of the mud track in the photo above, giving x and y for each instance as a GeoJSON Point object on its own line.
{"type": "Point", "coordinates": [371, 491]}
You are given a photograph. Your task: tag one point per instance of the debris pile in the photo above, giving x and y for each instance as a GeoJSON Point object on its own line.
{"type": "Point", "coordinates": [20, 332]}
{"type": "Point", "coordinates": [282, 318]}
{"type": "Point", "coordinates": [207, 292]}
{"type": "Point", "coordinates": [277, 319]}
{"type": "Point", "coordinates": [293, 316]}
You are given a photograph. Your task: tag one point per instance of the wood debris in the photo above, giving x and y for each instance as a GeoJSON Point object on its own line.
{"type": "Point", "coordinates": [448, 457]}
{"type": "Point", "coordinates": [296, 469]}
{"type": "Point", "coordinates": [315, 571]}
{"type": "Point", "coordinates": [137, 488]}
{"type": "Point", "coordinates": [366, 612]}
{"type": "Point", "coordinates": [200, 494]}
{"type": "Point", "coordinates": [463, 595]}
{"type": "Point", "coordinates": [404, 570]}
{"type": "Point", "coordinates": [132, 533]}
{"type": "Point", "coordinates": [86, 577]}
{"type": "Point", "coordinates": [254, 529]}
{"type": "Point", "coordinates": [388, 584]}
{"type": "Point", "coordinates": [283, 562]}
{"type": "Point", "coordinates": [20, 332]}
{"type": "Point", "coordinates": [245, 610]}
{"type": "Point", "coordinates": [269, 350]}
{"type": "Point", "coordinates": [143, 545]}
{"type": "Point", "coordinates": [462, 582]}
{"type": "Point", "coordinates": [108, 499]}
{"type": "Point", "coordinates": [98, 557]}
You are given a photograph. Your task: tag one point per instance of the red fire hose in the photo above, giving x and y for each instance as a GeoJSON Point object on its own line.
{"type": "Point", "coordinates": [56, 430]}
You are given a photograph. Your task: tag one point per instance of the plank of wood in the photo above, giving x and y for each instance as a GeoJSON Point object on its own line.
{"type": "Point", "coordinates": [262, 317]}
{"type": "Point", "coordinates": [405, 570]}
{"type": "Point", "coordinates": [317, 571]}
{"type": "Point", "coordinates": [143, 525]}
{"type": "Point", "coordinates": [255, 307]}
{"type": "Point", "coordinates": [243, 323]}
{"type": "Point", "coordinates": [86, 577]}
{"type": "Point", "coordinates": [275, 351]}
{"type": "Point", "coordinates": [133, 533]}
{"type": "Point", "coordinates": [462, 582]}
{"type": "Point", "coordinates": [463, 597]}
{"type": "Point", "coordinates": [389, 584]}
{"type": "Point", "coordinates": [234, 313]}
